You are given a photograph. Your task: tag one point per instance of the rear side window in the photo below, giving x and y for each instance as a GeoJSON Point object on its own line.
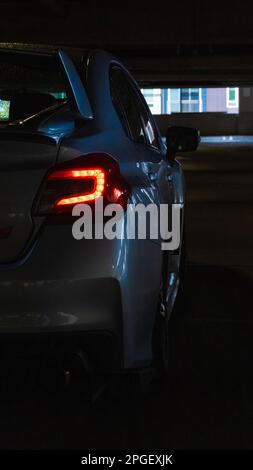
{"type": "Point", "coordinates": [147, 121]}
{"type": "Point", "coordinates": [132, 109]}
{"type": "Point", "coordinates": [29, 83]}
{"type": "Point", "coordinates": [126, 106]}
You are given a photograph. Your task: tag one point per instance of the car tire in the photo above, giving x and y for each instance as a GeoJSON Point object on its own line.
{"type": "Point", "coordinates": [162, 352]}
{"type": "Point", "coordinates": [161, 346]}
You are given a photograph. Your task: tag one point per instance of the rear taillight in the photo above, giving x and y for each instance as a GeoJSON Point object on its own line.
{"type": "Point", "coordinates": [81, 181]}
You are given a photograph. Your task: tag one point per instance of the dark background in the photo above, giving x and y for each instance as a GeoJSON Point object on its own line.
{"type": "Point", "coordinates": [206, 401]}
{"type": "Point", "coordinates": [145, 33]}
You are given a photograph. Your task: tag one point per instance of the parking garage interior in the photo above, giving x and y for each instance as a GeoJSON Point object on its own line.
{"type": "Point", "coordinates": [187, 50]}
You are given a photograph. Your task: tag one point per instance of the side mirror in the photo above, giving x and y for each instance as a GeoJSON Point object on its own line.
{"type": "Point", "coordinates": [181, 139]}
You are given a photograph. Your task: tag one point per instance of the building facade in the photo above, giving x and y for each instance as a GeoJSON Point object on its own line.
{"type": "Point", "coordinates": [192, 100]}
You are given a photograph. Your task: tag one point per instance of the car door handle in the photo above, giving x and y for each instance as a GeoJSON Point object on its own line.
{"type": "Point", "coordinates": [169, 178]}
{"type": "Point", "coordinates": [153, 175]}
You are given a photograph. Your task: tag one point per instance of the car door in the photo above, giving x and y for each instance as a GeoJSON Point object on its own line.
{"type": "Point", "coordinates": [154, 174]}
{"type": "Point", "coordinates": [140, 127]}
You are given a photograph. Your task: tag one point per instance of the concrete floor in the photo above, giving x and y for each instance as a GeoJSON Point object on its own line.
{"type": "Point", "coordinates": [207, 401]}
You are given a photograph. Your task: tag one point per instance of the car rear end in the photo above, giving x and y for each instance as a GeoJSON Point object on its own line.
{"type": "Point", "coordinates": [54, 295]}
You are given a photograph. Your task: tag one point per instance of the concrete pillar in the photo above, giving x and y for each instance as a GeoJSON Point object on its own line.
{"type": "Point", "coordinates": [246, 99]}
{"type": "Point", "coordinates": [245, 121]}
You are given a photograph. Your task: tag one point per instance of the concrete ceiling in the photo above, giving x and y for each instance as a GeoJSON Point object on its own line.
{"type": "Point", "coordinates": [163, 41]}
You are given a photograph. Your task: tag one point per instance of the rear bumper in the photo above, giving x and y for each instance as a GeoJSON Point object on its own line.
{"type": "Point", "coordinates": [61, 284]}
{"type": "Point", "coordinates": [65, 286]}
{"type": "Point", "coordinates": [63, 315]}
{"type": "Point", "coordinates": [56, 305]}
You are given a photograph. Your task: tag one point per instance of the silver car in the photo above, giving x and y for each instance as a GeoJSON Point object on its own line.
{"type": "Point", "coordinates": [63, 114]}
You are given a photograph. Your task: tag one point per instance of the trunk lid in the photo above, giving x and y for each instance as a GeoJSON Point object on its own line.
{"type": "Point", "coordinates": [24, 161]}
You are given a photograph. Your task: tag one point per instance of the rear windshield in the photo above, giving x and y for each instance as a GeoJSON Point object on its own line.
{"type": "Point", "coordinates": [29, 83]}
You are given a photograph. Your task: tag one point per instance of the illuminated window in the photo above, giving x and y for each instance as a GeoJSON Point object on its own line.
{"type": "Point", "coordinates": [232, 97]}
{"type": "Point", "coordinates": [190, 100]}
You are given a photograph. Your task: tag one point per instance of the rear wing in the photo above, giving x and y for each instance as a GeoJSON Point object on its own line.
{"type": "Point", "coordinates": [80, 98]}
{"type": "Point", "coordinates": [80, 101]}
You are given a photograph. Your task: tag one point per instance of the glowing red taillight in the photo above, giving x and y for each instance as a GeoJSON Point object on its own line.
{"type": "Point", "coordinates": [97, 175]}
{"type": "Point", "coordinates": [82, 180]}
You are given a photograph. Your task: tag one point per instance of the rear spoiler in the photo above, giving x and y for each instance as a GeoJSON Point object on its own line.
{"type": "Point", "coordinates": [80, 98]}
